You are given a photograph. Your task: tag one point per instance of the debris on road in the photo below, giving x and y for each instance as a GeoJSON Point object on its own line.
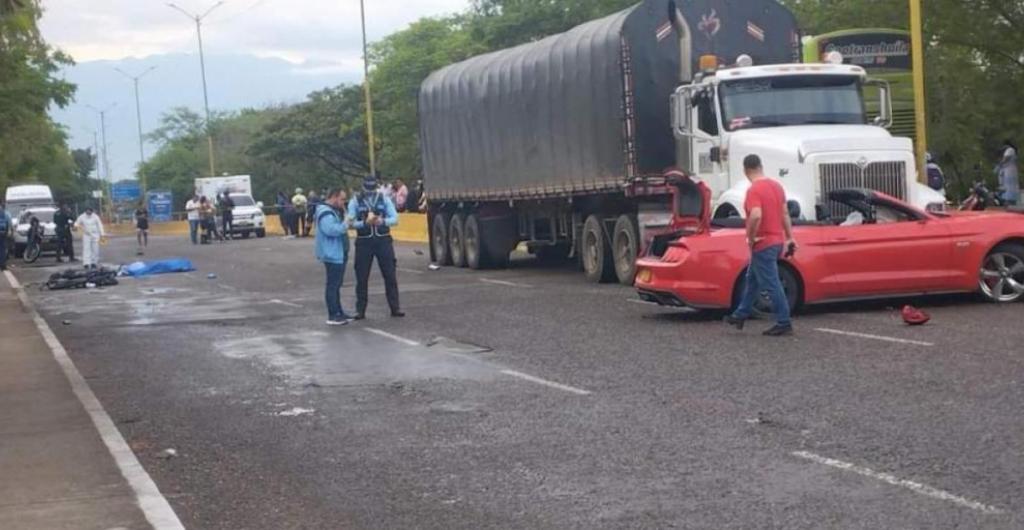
{"type": "Point", "coordinates": [914, 316]}
{"type": "Point", "coordinates": [81, 278]}
{"type": "Point", "coordinates": [167, 454]}
{"type": "Point", "coordinates": [295, 411]}
{"type": "Point", "coordinates": [211, 276]}
{"type": "Point", "coordinates": [434, 267]}
{"type": "Point", "coordinates": [163, 266]}
{"type": "Point", "coordinates": [66, 322]}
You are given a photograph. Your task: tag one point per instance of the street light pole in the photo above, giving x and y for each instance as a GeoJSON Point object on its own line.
{"type": "Point", "coordinates": [106, 161]}
{"type": "Point", "coordinates": [202, 67]}
{"type": "Point", "coordinates": [366, 89]}
{"type": "Point", "coordinates": [920, 115]}
{"type": "Point", "coordinates": [138, 118]}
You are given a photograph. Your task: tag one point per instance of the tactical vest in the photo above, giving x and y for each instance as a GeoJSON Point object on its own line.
{"type": "Point", "coordinates": [376, 203]}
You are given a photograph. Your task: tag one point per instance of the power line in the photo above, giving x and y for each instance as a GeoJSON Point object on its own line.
{"type": "Point", "coordinates": [229, 18]}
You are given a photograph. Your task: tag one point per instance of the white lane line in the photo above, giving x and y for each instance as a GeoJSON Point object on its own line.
{"type": "Point", "coordinates": [545, 382]}
{"type": "Point", "coordinates": [282, 302]}
{"type": "Point", "coordinates": [511, 373]}
{"type": "Point", "coordinates": [874, 337]}
{"type": "Point", "coordinates": [503, 282]}
{"type": "Point", "coordinates": [916, 487]}
{"type": "Point", "coordinates": [391, 336]}
{"type": "Point", "coordinates": [152, 503]}
{"type": "Point", "coordinates": [410, 271]}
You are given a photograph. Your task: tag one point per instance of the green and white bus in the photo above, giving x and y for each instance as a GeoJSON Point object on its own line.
{"type": "Point", "coordinates": [885, 54]}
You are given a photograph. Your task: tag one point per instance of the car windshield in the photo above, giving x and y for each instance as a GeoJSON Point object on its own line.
{"type": "Point", "coordinates": [792, 100]}
{"type": "Point", "coordinates": [45, 216]}
{"type": "Point", "coordinates": [243, 200]}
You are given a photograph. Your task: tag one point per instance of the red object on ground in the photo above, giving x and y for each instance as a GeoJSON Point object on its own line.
{"type": "Point", "coordinates": [892, 250]}
{"type": "Point", "coordinates": [914, 316]}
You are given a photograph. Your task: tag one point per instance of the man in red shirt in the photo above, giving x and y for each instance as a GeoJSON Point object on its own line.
{"type": "Point", "coordinates": [769, 231]}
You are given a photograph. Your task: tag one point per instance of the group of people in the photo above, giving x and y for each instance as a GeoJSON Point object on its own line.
{"type": "Point", "coordinates": [372, 213]}
{"type": "Point", "coordinates": [203, 212]}
{"type": "Point", "coordinates": [88, 223]}
{"type": "Point", "coordinates": [298, 212]}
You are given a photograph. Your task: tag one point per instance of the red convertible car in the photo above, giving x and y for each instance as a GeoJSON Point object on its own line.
{"type": "Point", "coordinates": [877, 247]}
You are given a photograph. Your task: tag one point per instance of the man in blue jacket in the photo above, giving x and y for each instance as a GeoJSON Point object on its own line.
{"type": "Point", "coordinates": [373, 214]}
{"type": "Point", "coordinates": [332, 251]}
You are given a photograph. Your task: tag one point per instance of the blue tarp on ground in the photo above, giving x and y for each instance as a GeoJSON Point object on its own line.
{"type": "Point", "coordinates": [164, 266]}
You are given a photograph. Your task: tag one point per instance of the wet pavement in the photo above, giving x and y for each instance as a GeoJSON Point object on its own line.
{"type": "Point", "coordinates": [527, 398]}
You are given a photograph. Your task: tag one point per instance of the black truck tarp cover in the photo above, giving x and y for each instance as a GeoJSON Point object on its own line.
{"type": "Point", "coordinates": [555, 117]}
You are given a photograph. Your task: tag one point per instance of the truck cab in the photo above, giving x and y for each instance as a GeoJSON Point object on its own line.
{"type": "Point", "coordinates": [809, 125]}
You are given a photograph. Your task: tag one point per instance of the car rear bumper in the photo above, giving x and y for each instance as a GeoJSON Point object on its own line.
{"type": "Point", "coordinates": [679, 285]}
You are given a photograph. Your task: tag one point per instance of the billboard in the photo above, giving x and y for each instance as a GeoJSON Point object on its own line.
{"type": "Point", "coordinates": [126, 191]}
{"type": "Point", "coordinates": [160, 204]}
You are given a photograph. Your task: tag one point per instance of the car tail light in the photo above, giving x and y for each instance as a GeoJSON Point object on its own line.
{"type": "Point", "coordinates": [676, 253]}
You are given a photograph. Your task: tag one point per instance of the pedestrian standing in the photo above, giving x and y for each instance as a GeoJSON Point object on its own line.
{"type": "Point", "coordinates": [401, 195]}
{"type": "Point", "coordinates": [313, 201]}
{"type": "Point", "coordinates": [92, 232]}
{"type": "Point", "coordinates": [63, 221]}
{"type": "Point", "coordinates": [141, 229]}
{"type": "Point", "coordinates": [208, 219]}
{"type": "Point", "coordinates": [936, 178]}
{"type": "Point", "coordinates": [332, 251]}
{"type": "Point", "coordinates": [227, 208]}
{"type": "Point", "coordinates": [192, 209]}
{"type": "Point", "coordinates": [373, 214]}
{"type": "Point", "coordinates": [1009, 175]}
{"type": "Point", "coordinates": [5, 232]}
{"type": "Point", "coordinates": [283, 206]}
{"type": "Point", "coordinates": [299, 202]}
{"type": "Point", "coordinates": [769, 230]}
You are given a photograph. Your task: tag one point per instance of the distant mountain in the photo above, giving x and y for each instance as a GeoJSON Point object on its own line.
{"type": "Point", "coordinates": [235, 82]}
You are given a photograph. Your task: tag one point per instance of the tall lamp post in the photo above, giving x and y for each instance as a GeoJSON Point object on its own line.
{"type": "Point", "coordinates": [366, 89]}
{"type": "Point", "coordinates": [920, 115]}
{"type": "Point", "coordinates": [202, 67]}
{"type": "Point", "coordinates": [106, 161]}
{"type": "Point", "coordinates": [138, 119]}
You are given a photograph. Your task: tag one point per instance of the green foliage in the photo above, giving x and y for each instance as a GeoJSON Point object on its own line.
{"type": "Point", "coordinates": [32, 147]}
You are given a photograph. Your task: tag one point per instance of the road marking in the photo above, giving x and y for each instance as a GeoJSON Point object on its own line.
{"type": "Point", "coordinates": [545, 382]}
{"type": "Point", "coordinates": [152, 503]}
{"type": "Point", "coordinates": [282, 302]}
{"type": "Point", "coordinates": [503, 282]}
{"type": "Point", "coordinates": [874, 337]}
{"type": "Point", "coordinates": [393, 337]}
{"type": "Point", "coordinates": [511, 373]}
{"type": "Point", "coordinates": [226, 287]}
{"type": "Point", "coordinates": [410, 271]}
{"type": "Point", "coordinates": [916, 487]}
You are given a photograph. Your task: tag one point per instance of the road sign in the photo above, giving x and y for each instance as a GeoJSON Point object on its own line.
{"type": "Point", "coordinates": [126, 191]}
{"type": "Point", "coordinates": [160, 205]}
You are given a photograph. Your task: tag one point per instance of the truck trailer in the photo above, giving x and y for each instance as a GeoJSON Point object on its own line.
{"type": "Point", "coordinates": [569, 143]}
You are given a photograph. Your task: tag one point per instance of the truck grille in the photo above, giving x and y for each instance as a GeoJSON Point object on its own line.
{"type": "Point", "coordinates": [887, 177]}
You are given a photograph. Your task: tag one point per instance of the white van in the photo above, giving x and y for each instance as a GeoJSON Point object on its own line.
{"type": "Point", "coordinates": [18, 198]}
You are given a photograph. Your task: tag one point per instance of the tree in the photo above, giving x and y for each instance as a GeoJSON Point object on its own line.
{"type": "Point", "coordinates": [85, 163]}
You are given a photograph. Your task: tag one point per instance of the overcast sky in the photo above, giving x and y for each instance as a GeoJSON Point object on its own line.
{"type": "Point", "coordinates": [325, 33]}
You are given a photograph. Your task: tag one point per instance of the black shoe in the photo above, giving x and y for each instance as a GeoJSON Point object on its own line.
{"type": "Point", "coordinates": [737, 323]}
{"type": "Point", "coordinates": [779, 331]}
{"type": "Point", "coordinates": [398, 314]}
{"type": "Point", "coordinates": [360, 316]}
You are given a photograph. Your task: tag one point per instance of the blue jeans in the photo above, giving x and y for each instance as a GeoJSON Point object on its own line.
{"type": "Point", "coordinates": [193, 231]}
{"type": "Point", "coordinates": [763, 275]}
{"type": "Point", "coordinates": [332, 293]}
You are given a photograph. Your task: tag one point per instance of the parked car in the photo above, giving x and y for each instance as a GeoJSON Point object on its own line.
{"type": "Point", "coordinates": [882, 247]}
{"type": "Point", "coordinates": [45, 216]}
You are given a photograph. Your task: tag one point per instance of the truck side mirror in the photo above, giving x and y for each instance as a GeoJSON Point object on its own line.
{"type": "Point", "coordinates": [884, 118]}
{"type": "Point", "coordinates": [680, 103]}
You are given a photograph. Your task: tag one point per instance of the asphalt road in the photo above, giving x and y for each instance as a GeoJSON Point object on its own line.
{"type": "Point", "coordinates": [528, 398]}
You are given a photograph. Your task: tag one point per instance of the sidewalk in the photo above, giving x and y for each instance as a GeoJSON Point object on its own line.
{"type": "Point", "coordinates": [56, 470]}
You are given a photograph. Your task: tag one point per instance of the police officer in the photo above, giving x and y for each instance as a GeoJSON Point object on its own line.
{"type": "Point", "coordinates": [65, 244]}
{"type": "Point", "coordinates": [373, 214]}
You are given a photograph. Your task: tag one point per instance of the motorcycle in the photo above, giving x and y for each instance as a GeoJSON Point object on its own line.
{"type": "Point", "coordinates": [981, 198]}
{"type": "Point", "coordinates": [34, 242]}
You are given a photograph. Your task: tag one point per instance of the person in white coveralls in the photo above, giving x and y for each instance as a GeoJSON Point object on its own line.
{"type": "Point", "coordinates": [92, 232]}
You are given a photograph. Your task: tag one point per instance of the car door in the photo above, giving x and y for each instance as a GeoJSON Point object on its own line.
{"type": "Point", "coordinates": [909, 256]}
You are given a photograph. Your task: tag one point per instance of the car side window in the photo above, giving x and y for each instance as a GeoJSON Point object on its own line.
{"type": "Point", "coordinates": [707, 120]}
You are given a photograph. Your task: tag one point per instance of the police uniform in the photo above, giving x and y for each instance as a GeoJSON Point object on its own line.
{"type": "Point", "coordinates": [374, 241]}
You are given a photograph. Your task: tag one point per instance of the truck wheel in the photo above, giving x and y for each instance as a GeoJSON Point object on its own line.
{"type": "Point", "coordinates": [596, 254]}
{"type": "Point", "coordinates": [261, 233]}
{"type": "Point", "coordinates": [457, 240]}
{"type": "Point", "coordinates": [626, 244]}
{"type": "Point", "coordinates": [474, 247]}
{"type": "Point", "coordinates": [439, 239]}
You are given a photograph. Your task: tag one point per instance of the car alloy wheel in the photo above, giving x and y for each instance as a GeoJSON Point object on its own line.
{"type": "Point", "coordinates": [1002, 277]}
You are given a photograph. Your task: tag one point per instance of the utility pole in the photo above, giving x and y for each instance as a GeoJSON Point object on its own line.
{"type": "Point", "coordinates": [138, 118]}
{"type": "Point", "coordinates": [369, 100]}
{"type": "Point", "coordinates": [920, 114]}
{"type": "Point", "coordinates": [106, 161]}
{"type": "Point", "coordinates": [202, 67]}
